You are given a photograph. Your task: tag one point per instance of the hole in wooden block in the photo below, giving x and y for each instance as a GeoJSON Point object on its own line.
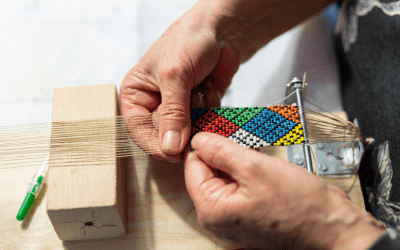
{"type": "Point", "coordinates": [89, 223]}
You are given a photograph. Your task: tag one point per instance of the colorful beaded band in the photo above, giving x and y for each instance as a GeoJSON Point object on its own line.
{"type": "Point", "coordinates": [251, 127]}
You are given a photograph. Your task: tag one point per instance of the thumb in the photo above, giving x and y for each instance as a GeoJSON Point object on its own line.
{"type": "Point", "coordinates": [225, 155]}
{"type": "Point", "coordinates": [175, 96]}
{"type": "Point", "coordinates": [174, 118]}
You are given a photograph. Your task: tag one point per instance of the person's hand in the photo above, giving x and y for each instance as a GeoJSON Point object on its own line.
{"type": "Point", "coordinates": [198, 55]}
{"type": "Point", "coordinates": [186, 64]}
{"type": "Point", "coordinates": [252, 200]}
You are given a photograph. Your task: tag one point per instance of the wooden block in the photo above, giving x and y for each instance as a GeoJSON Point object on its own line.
{"type": "Point", "coordinates": [86, 202]}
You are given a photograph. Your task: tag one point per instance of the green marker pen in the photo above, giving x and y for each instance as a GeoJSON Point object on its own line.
{"type": "Point", "coordinates": [33, 189]}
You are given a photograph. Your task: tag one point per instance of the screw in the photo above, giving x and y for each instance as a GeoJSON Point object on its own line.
{"type": "Point", "coordinates": [323, 167]}
{"type": "Point", "coordinates": [299, 161]}
{"type": "Point", "coordinates": [296, 83]}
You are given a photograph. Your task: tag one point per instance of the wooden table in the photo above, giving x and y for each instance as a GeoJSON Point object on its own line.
{"type": "Point", "coordinates": [160, 213]}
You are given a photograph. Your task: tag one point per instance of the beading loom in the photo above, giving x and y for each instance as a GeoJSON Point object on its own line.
{"type": "Point", "coordinates": [86, 146]}
{"type": "Point", "coordinates": [99, 140]}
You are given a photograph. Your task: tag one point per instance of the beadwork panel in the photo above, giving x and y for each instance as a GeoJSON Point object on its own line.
{"type": "Point", "coordinates": [254, 127]}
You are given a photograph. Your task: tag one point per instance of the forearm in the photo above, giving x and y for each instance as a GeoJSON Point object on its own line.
{"type": "Point", "coordinates": [249, 25]}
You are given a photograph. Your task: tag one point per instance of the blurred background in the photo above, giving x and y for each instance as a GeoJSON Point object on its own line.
{"type": "Point", "coordinates": [47, 44]}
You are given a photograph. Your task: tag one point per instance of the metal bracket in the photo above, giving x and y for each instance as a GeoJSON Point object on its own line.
{"type": "Point", "coordinates": [295, 155]}
{"type": "Point", "coordinates": [331, 159]}
{"type": "Point", "coordinates": [338, 158]}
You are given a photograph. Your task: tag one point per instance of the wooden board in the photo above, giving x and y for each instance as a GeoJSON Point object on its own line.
{"type": "Point", "coordinates": [160, 213]}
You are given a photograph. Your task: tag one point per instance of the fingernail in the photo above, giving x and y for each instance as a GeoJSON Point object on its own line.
{"type": "Point", "coordinates": [171, 141]}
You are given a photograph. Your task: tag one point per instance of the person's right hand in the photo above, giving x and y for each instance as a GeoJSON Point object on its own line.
{"type": "Point", "coordinates": [252, 200]}
{"type": "Point", "coordinates": [186, 63]}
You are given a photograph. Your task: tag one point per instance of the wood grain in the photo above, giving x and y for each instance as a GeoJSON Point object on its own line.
{"type": "Point", "coordinates": [160, 213]}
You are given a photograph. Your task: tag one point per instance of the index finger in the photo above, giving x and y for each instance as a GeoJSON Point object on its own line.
{"type": "Point", "coordinates": [203, 182]}
{"type": "Point", "coordinates": [225, 155]}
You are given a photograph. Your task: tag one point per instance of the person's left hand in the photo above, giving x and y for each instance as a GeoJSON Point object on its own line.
{"type": "Point", "coordinates": [186, 67]}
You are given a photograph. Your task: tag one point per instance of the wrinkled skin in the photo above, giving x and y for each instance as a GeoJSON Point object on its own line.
{"type": "Point", "coordinates": [193, 65]}
{"type": "Point", "coordinates": [193, 62]}
{"type": "Point", "coordinates": [252, 200]}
